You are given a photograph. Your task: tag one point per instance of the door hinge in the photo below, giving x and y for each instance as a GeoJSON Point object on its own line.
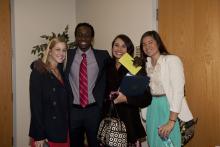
{"type": "Point", "coordinates": [157, 14]}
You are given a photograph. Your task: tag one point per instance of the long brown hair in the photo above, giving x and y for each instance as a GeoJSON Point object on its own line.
{"type": "Point", "coordinates": [128, 43]}
{"type": "Point", "coordinates": [161, 47]}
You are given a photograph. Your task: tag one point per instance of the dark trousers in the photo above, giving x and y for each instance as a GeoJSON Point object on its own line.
{"type": "Point", "coordinates": [84, 121]}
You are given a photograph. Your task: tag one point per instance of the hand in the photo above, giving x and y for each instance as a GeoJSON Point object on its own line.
{"type": "Point", "coordinates": [121, 98]}
{"type": "Point", "coordinates": [138, 61]}
{"type": "Point", "coordinates": [39, 143]}
{"type": "Point", "coordinates": [165, 129]}
{"type": "Point", "coordinates": [113, 95]}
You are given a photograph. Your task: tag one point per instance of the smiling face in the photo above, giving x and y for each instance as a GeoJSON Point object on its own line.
{"type": "Point", "coordinates": [150, 46]}
{"type": "Point", "coordinates": [84, 38]}
{"type": "Point", "coordinates": [58, 53]}
{"type": "Point", "coordinates": [119, 48]}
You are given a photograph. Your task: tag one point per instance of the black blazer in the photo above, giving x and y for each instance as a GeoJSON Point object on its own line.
{"type": "Point", "coordinates": [128, 112]}
{"type": "Point", "coordinates": [102, 58]}
{"type": "Point", "coordinates": [48, 103]}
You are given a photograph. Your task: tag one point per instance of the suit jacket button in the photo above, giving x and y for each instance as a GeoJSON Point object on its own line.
{"type": "Point", "coordinates": [54, 89]}
{"type": "Point", "coordinates": [54, 103]}
{"type": "Point", "coordinates": [54, 117]}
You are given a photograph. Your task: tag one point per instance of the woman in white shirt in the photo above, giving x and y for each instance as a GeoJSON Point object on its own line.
{"type": "Point", "coordinates": [167, 88]}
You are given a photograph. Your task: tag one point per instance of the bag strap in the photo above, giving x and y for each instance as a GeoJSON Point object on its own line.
{"type": "Point", "coordinates": [112, 109]}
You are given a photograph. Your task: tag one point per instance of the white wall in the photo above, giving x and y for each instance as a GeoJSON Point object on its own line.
{"type": "Point", "coordinates": [113, 17]}
{"type": "Point", "coordinates": [30, 19]}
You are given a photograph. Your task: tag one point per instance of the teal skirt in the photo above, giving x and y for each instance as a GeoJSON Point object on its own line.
{"type": "Point", "coordinates": [158, 114]}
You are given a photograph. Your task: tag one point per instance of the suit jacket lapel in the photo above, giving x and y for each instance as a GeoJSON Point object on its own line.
{"type": "Point", "coordinates": [97, 57]}
{"type": "Point", "coordinates": [99, 62]}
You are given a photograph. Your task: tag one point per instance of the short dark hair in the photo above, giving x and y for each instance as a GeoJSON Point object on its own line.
{"type": "Point", "coordinates": [84, 24]}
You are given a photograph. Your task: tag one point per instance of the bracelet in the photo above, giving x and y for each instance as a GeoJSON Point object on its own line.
{"type": "Point", "coordinates": [172, 120]}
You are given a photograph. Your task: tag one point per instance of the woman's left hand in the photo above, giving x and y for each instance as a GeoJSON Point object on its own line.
{"type": "Point", "coordinates": [120, 99]}
{"type": "Point", "coordinates": [165, 129]}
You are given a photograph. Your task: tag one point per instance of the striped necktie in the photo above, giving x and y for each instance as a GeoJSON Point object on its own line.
{"type": "Point", "coordinates": [83, 82]}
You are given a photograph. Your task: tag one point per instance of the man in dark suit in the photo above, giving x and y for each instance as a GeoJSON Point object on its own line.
{"type": "Point", "coordinates": [85, 118]}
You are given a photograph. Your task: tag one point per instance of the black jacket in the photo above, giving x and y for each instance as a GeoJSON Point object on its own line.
{"type": "Point", "coordinates": [48, 103]}
{"type": "Point", "coordinates": [128, 112]}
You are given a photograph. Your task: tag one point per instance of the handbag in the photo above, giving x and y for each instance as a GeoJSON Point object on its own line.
{"type": "Point", "coordinates": [187, 130]}
{"type": "Point", "coordinates": [112, 131]}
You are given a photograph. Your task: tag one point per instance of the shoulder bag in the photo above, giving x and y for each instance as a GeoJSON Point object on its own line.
{"type": "Point", "coordinates": [187, 130]}
{"type": "Point", "coordinates": [112, 131]}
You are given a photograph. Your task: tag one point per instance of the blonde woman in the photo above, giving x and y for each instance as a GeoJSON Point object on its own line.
{"type": "Point", "coordinates": [48, 98]}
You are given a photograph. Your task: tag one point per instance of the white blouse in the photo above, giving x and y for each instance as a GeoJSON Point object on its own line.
{"type": "Point", "coordinates": [154, 73]}
{"type": "Point", "coordinates": [171, 76]}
